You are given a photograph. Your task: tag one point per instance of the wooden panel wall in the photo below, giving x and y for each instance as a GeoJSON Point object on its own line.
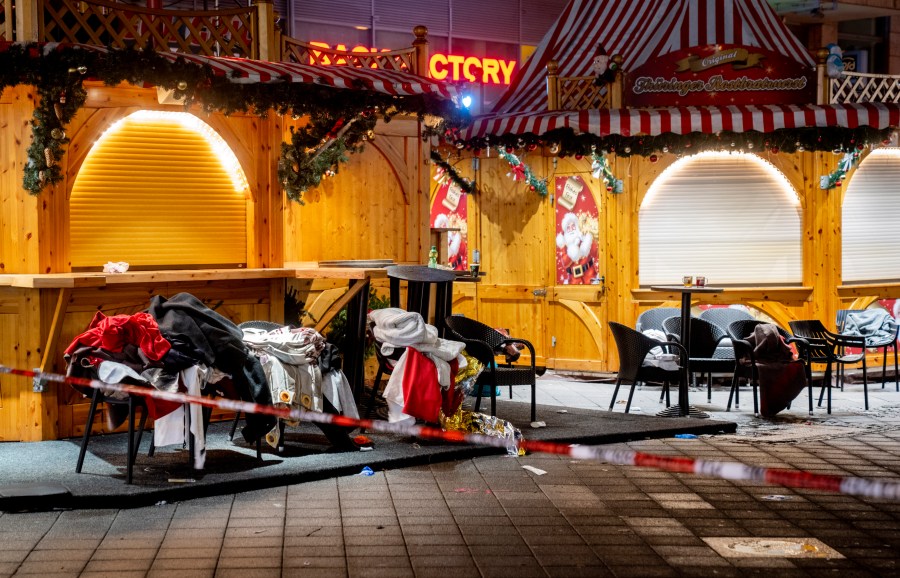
{"type": "Point", "coordinates": [374, 208]}
{"type": "Point", "coordinates": [19, 232]}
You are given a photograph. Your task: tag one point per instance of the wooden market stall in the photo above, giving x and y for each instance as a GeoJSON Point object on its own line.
{"type": "Point", "coordinates": [176, 161]}
{"type": "Point", "coordinates": [642, 130]}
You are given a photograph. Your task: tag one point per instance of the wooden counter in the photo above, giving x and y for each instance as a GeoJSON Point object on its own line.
{"type": "Point", "coordinates": [41, 314]}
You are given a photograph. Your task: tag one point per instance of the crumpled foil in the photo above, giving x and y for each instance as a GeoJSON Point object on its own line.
{"type": "Point", "coordinates": [479, 423]}
{"type": "Point", "coordinates": [465, 378]}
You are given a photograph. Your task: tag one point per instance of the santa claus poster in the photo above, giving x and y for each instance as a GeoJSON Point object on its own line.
{"type": "Point", "coordinates": [448, 210]}
{"type": "Point", "coordinates": [577, 228]}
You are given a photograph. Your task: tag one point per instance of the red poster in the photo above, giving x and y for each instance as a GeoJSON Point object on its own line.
{"type": "Point", "coordinates": [577, 230]}
{"type": "Point", "coordinates": [448, 210]}
{"type": "Point", "coordinates": [720, 74]}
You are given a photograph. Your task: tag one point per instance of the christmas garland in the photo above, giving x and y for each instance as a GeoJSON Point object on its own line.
{"type": "Point", "coordinates": [845, 165]}
{"type": "Point", "coordinates": [58, 72]}
{"type": "Point", "coordinates": [600, 169]}
{"type": "Point", "coordinates": [519, 171]}
{"type": "Point", "coordinates": [446, 171]}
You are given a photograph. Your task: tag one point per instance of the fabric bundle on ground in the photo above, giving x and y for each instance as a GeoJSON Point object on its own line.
{"type": "Point", "coordinates": [414, 388]}
{"type": "Point", "coordinates": [781, 377]}
{"type": "Point", "coordinates": [303, 371]}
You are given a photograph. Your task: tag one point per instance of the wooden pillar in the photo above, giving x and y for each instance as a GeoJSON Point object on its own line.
{"type": "Point", "coordinates": [552, 85]}
{"type": "Point", "coordinates": [265, 30]}
{"type": "Point", "coordinates": [615, 87]}
{"type": "Point", "coordinates": [822, 229]}
{"type": "Point", "coordinates": [421, 46]}
{"type": "Point", "coordinates": [27, 28]}
{"type": "Point", "coordinates": [823, 88]}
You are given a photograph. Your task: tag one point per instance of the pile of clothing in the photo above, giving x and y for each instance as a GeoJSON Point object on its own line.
{"type": "Point", "coordinates": [303, 371]}
{"type": "Point", "coordinates": [176, 344]}
{"type": "Point", "coordinates": [432, 377]}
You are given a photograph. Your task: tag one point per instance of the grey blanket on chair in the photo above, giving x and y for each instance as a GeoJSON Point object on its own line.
{"type": "Point", "coordinates": [874, 324]}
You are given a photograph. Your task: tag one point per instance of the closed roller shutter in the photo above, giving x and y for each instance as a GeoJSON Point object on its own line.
{"type": "Point", "coordinates": [871, 213]}
{"type": "Point", "coordinates": [153, 192]}
{"type": "Point", "coordinates": [732, 218]}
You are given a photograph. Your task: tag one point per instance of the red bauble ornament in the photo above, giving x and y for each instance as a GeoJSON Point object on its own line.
{"type": "Point", "coordinates": [477, 152]}
{"type": "Point", "coordinates": [653, 158]}
{"type": "Point", "coordinates": [531, 188]}
{"type": "Point", "coordinates": [609, 188]}
{"type": "Point", "coordinates": [860, 147]}
{"type": "Point", "coordinates": [531, 146]}
{"type": "Point", "coordinates": [510, 150]}
{"type": "Point", "coordinates": [578, 157]}
{"type": "Point", "coordinates": [774, 150]}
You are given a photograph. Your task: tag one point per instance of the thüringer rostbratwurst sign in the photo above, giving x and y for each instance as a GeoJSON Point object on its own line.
{"type": "Point", "coordinates": [720, 75]}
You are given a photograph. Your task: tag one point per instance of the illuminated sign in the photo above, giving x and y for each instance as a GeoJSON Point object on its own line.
{"type": "Point", "coordinates": [440, 66]}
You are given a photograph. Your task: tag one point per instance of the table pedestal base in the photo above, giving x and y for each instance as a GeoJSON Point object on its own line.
{"type": "Point", "coordinates": [675, 411]}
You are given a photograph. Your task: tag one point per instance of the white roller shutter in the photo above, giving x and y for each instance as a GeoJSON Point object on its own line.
{"type": "Point", "coordinates": [732, 218]}
{"type": "Point", "coordinates": [871, 215]}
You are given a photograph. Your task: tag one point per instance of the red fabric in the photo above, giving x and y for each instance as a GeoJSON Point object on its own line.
{"type": "Point", "coordinates": [421, 390]}
{"type": "Point", "coordinates": [113, 333]}
{"type": "Point", "coordinates": [452, 397]}
{"type": "Point", "coordinates": [157, 408]}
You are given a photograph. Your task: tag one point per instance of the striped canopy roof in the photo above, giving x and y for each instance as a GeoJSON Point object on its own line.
{"type": "Point", "coordinates": [685, 120]}
{"type": "Point", "coordinates": [640, 30]}
{"type": "Point", "coordinates": [247, 71]}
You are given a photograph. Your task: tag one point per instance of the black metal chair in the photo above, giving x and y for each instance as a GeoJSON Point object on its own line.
{"type": "Point", "coordinates": [653, 318]}
{"type": "Point", "coordinates": [633, 347]}
{"type": "Point", "coordinates": [881, 341]}
{"type": "Point", "coordinates": [485, 343]}
{"type": "Point", "coordinates": [739, 331]}
{"type": "Point", "coordinates": [705, 340]}
{"type": "Point", "coordinates": [419, 282]}
{"type": "Point", "coordinates": [133, 402]}
{"type": "Point", "coordinates": [828, 348]}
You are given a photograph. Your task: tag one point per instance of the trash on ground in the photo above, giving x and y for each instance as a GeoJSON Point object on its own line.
{"type": "Point", "coordinates": [777, 497]}
{"type": "Point", "coordinates": [537, 424]}
{"type": "Point", "coordinates": [562, 411]}
{"type": "Point", "coordinates": [161, 503]}
{"type": "Point", "coordinates": [182, 480]}
{"type": "Point", "coordinates": [367, 471]}
{"type": "Point", "coordinates": [534, 470]}
{"type": "Point", "coordinates": [686, 436]}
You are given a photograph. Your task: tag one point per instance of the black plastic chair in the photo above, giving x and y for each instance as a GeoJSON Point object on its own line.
{"type": "Point", "coordinates": [723, 317]}
{"type": "Point", "coordinates": [485, 343]}
{"type": "Point", "coordinates": [133, 402]}
{"type": "Point", "coordinates": [828, 348]}
{"type": "Point", "coordinates": [739, 331]}
{"type": "Point", "coordinates": [419, 282]}
{"type": "Point", "coordinates": [883, 342]}
{"type": "Point", "coordinates": [633, 348]}
{"type": "Point", "coordinates": [653, 318]}
{"type": "Point", "coordinates": [705, 340]}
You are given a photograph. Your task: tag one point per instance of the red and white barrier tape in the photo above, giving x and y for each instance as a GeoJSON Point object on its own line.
{"type": "Point", "coordinates": [853, 486]}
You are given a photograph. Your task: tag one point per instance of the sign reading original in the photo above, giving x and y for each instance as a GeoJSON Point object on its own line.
{"type": "Point", "coordinates": [720, 75]}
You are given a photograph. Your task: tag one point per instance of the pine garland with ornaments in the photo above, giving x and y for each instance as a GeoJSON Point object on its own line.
{"type": "Point", "coordinates": [519, 171]}
{"type": "Point", "coordinates": [600, 170]}
{"type": "Point", "coordinates": [58, 72]}
{"type": "Point", "coordinates": [566, 143]}
{"type": "Point", "coordinates": [845, 165]}
{"type": "Point", "coordinates": [447, 172]}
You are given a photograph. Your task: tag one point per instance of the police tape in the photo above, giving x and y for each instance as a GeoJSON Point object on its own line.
{"type": "Point", "coordinates": [848, 485]}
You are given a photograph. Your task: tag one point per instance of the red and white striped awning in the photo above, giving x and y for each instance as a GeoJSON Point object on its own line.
{"type": "Point", "coordinates": [640, 31]}
{"type": "Point", "coordinates": [685, 120]}
{"type": "Point", "coordinates": [247, 71]}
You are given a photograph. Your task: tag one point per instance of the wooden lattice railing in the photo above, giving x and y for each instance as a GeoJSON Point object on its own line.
{"type": "Point", "coordinates": [307, 53]}
{"type": "Point", "coordinates": [861, 87]}
{"type": "Point", "coordinates": [231, 32]}
{"type": "Point", "coordinates": [581, 93]}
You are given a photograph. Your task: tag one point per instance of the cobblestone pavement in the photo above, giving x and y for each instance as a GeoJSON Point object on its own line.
{"type": "Point", "coordinates": [492, 517]}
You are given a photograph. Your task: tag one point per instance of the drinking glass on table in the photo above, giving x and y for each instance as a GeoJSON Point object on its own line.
{"type": "Point", "coordinates": [687, 280]}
